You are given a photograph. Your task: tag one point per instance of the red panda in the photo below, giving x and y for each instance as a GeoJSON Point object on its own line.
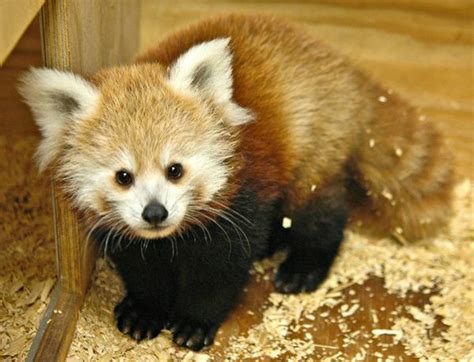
{"type": "Point", "coordinates": [230, 138]}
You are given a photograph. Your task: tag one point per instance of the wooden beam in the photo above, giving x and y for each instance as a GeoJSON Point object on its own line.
{"type": "Point", "coordinates": [82, 36]}
{"type": "Point", "coordinates": [57, 327]}
{"type": "Point", "coordinates": [15, 16]}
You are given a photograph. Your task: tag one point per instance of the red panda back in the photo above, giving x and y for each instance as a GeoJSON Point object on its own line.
{"type": "Point", "coordinates": [317, 118]}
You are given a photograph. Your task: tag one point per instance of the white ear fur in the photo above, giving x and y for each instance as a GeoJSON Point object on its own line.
{"type": "Point", "coordinates": [206, 70]}
{"type": "Point", "coordinates": [56, 97]}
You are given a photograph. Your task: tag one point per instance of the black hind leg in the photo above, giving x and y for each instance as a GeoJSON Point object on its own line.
{"type": "Point", "coordinates": [314, 237]}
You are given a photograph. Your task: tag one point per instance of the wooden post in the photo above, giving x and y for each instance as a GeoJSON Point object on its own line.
{"type": "Point", "coordinates": [82, 36]}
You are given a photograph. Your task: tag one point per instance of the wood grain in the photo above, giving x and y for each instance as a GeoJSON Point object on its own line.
{"type": "Point", "coordinates": [82, 36]}
{"type": "Point", "coordinates": [57, 328]}
{"type": "Point", "coordinates": [75, 259]}
{"type": "Point", "coordinates": [15, 16]}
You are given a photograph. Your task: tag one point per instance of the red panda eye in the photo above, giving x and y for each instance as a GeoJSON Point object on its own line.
{"type": "Point", "coordinates": [175, 171]}
{"type": "Point", "coordinates": [123, 178]}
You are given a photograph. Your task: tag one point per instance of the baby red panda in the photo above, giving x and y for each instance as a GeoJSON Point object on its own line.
{"type": "Point", "coordinates": [232, 138]}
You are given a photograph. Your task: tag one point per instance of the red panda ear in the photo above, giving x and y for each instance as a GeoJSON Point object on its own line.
{"type": "Point", "coordinates": [56, 98]}
{"type": "Point", "coordinates": [205, 70]}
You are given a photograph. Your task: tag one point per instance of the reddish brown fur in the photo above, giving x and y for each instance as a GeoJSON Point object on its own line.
{"type": "Point", "coordinates": [274, 65]}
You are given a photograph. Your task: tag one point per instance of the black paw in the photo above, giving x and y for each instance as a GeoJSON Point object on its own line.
{"type": "Point", "coordinates": [292, 279]}
{"type": "Point", "coordinates": [137, 323]}
{"type": "Point", "coordinates": [192, 335]}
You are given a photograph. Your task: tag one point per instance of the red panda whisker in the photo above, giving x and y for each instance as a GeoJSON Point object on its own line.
{"type": "Point", "coordinates": [175, 245]}
{"type": "Point", "coordinates": [203, 227]}
{"type": "Point", "coordinates": [125, 233]}
{"type": "Point", "coordinates": [102, 219]}
{"type": "Point", "coordinates": [236, 227]}
{"type": "Point", "coordinates": [142, 247]}
{"type": "Point", "coordinates": [228, 217]}
{"type": "Point", "coordinates": [222, 229]}
{"type": "Point", "coordinates": [118, 242]}
{"type": "Point", "coordinates": [107, 242]}
{"type": "Point", "coordinates": [228, 208]}
{"type": "Point", "coordinates": [130, 236]}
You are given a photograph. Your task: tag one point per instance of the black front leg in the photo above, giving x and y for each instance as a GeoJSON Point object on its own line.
{"type": "Point", "coordinates": [149, 280]}
{"type": "Point", "coordinates": [313, 239]}
{"type": "Point", "coordinates": [212, 273]}
{"type": "Point", "coordinates": [193, 287]}
{"type": "Point", "coordinates": [209, 287]}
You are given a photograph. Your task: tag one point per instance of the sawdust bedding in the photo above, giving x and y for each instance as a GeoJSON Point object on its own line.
{"type": "Point", "coordinates": [282, 324]}
{"type": "Point", "coordinates": [27, 270]}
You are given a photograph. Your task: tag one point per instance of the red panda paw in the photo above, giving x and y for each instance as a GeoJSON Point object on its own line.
{"type": "Point", "coordinates": [291, 278]}
{"type": "Point", "coordinates": [135, 322]}
{"type": "Point", "coordinates": [289, 283]}
{"type": "Point", "coordinates": [193, 335]}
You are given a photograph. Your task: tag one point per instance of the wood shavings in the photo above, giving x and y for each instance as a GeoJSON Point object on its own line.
{"type": "Point", "coordinates": [441, 267]}
{"type": "Point", "coordinates": [398, 152]}
{"type": "Point", "coordinates": [15, 347]}
{"type": "Point", "coordinates": [324, 346]}
{"type": "Point", "coordinates": [286, 223]}
{"type": "Point", "coordinates": [387, 332]}
{"type": "Point", "coordinates": [426, 319]}
{"type": "Point", "coordinates": [350, 311]}
{"type": "Point", "coordinates": [313, 188]}
{"type": "Point", "coordinates": [16, 286]}
{"type": "Point", "coordinates": [371, 143]}
{"type": "Point", "coordinates": [35, 293]}
{"type": "Point", "coordinates": [399, 237]}
{"type": "Point", "coordinates": [47, 286]}
{"type": "Point", "coordinates": [375, 318]}
{"type": "Point", "coordinates": [201, 357]}
{"type": "Point", "coordinates": [387, 194]}
{"type": "Point", "coordinates": [27, 257]}
{"type": "Point", "coordinates": [414, 336]}
{"type": "Point", "coordinates": [382, 99]}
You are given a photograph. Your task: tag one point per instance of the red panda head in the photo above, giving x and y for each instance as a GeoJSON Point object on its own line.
{"type": "Point", "coordinates": [142, 148]}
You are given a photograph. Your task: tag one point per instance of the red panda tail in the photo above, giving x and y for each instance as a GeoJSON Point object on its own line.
{"type": "Point", "coordinates": [406, 172]}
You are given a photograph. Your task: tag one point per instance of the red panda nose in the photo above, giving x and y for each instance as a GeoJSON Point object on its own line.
{"type": "Point", "coordinates": [154, 213]}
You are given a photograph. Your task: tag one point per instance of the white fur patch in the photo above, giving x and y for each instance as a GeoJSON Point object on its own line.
{"type": "Point", "coordinates": [56, 97]}
{"type": "Point", "coordinates": [208, 170]}
{"type": "Point", "coordinates": [149, 187]}
{"type": "Point", "coordinates": [206, 70]}
{"type": "Point", "coordinates": [205, 167]}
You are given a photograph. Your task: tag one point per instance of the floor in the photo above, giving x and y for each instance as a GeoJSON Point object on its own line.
{"type": "Point", "coordinates": [383, 301]}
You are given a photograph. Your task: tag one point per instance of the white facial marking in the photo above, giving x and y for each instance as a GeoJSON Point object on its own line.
{"type": "Point", "coordinates": [150, 185]}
